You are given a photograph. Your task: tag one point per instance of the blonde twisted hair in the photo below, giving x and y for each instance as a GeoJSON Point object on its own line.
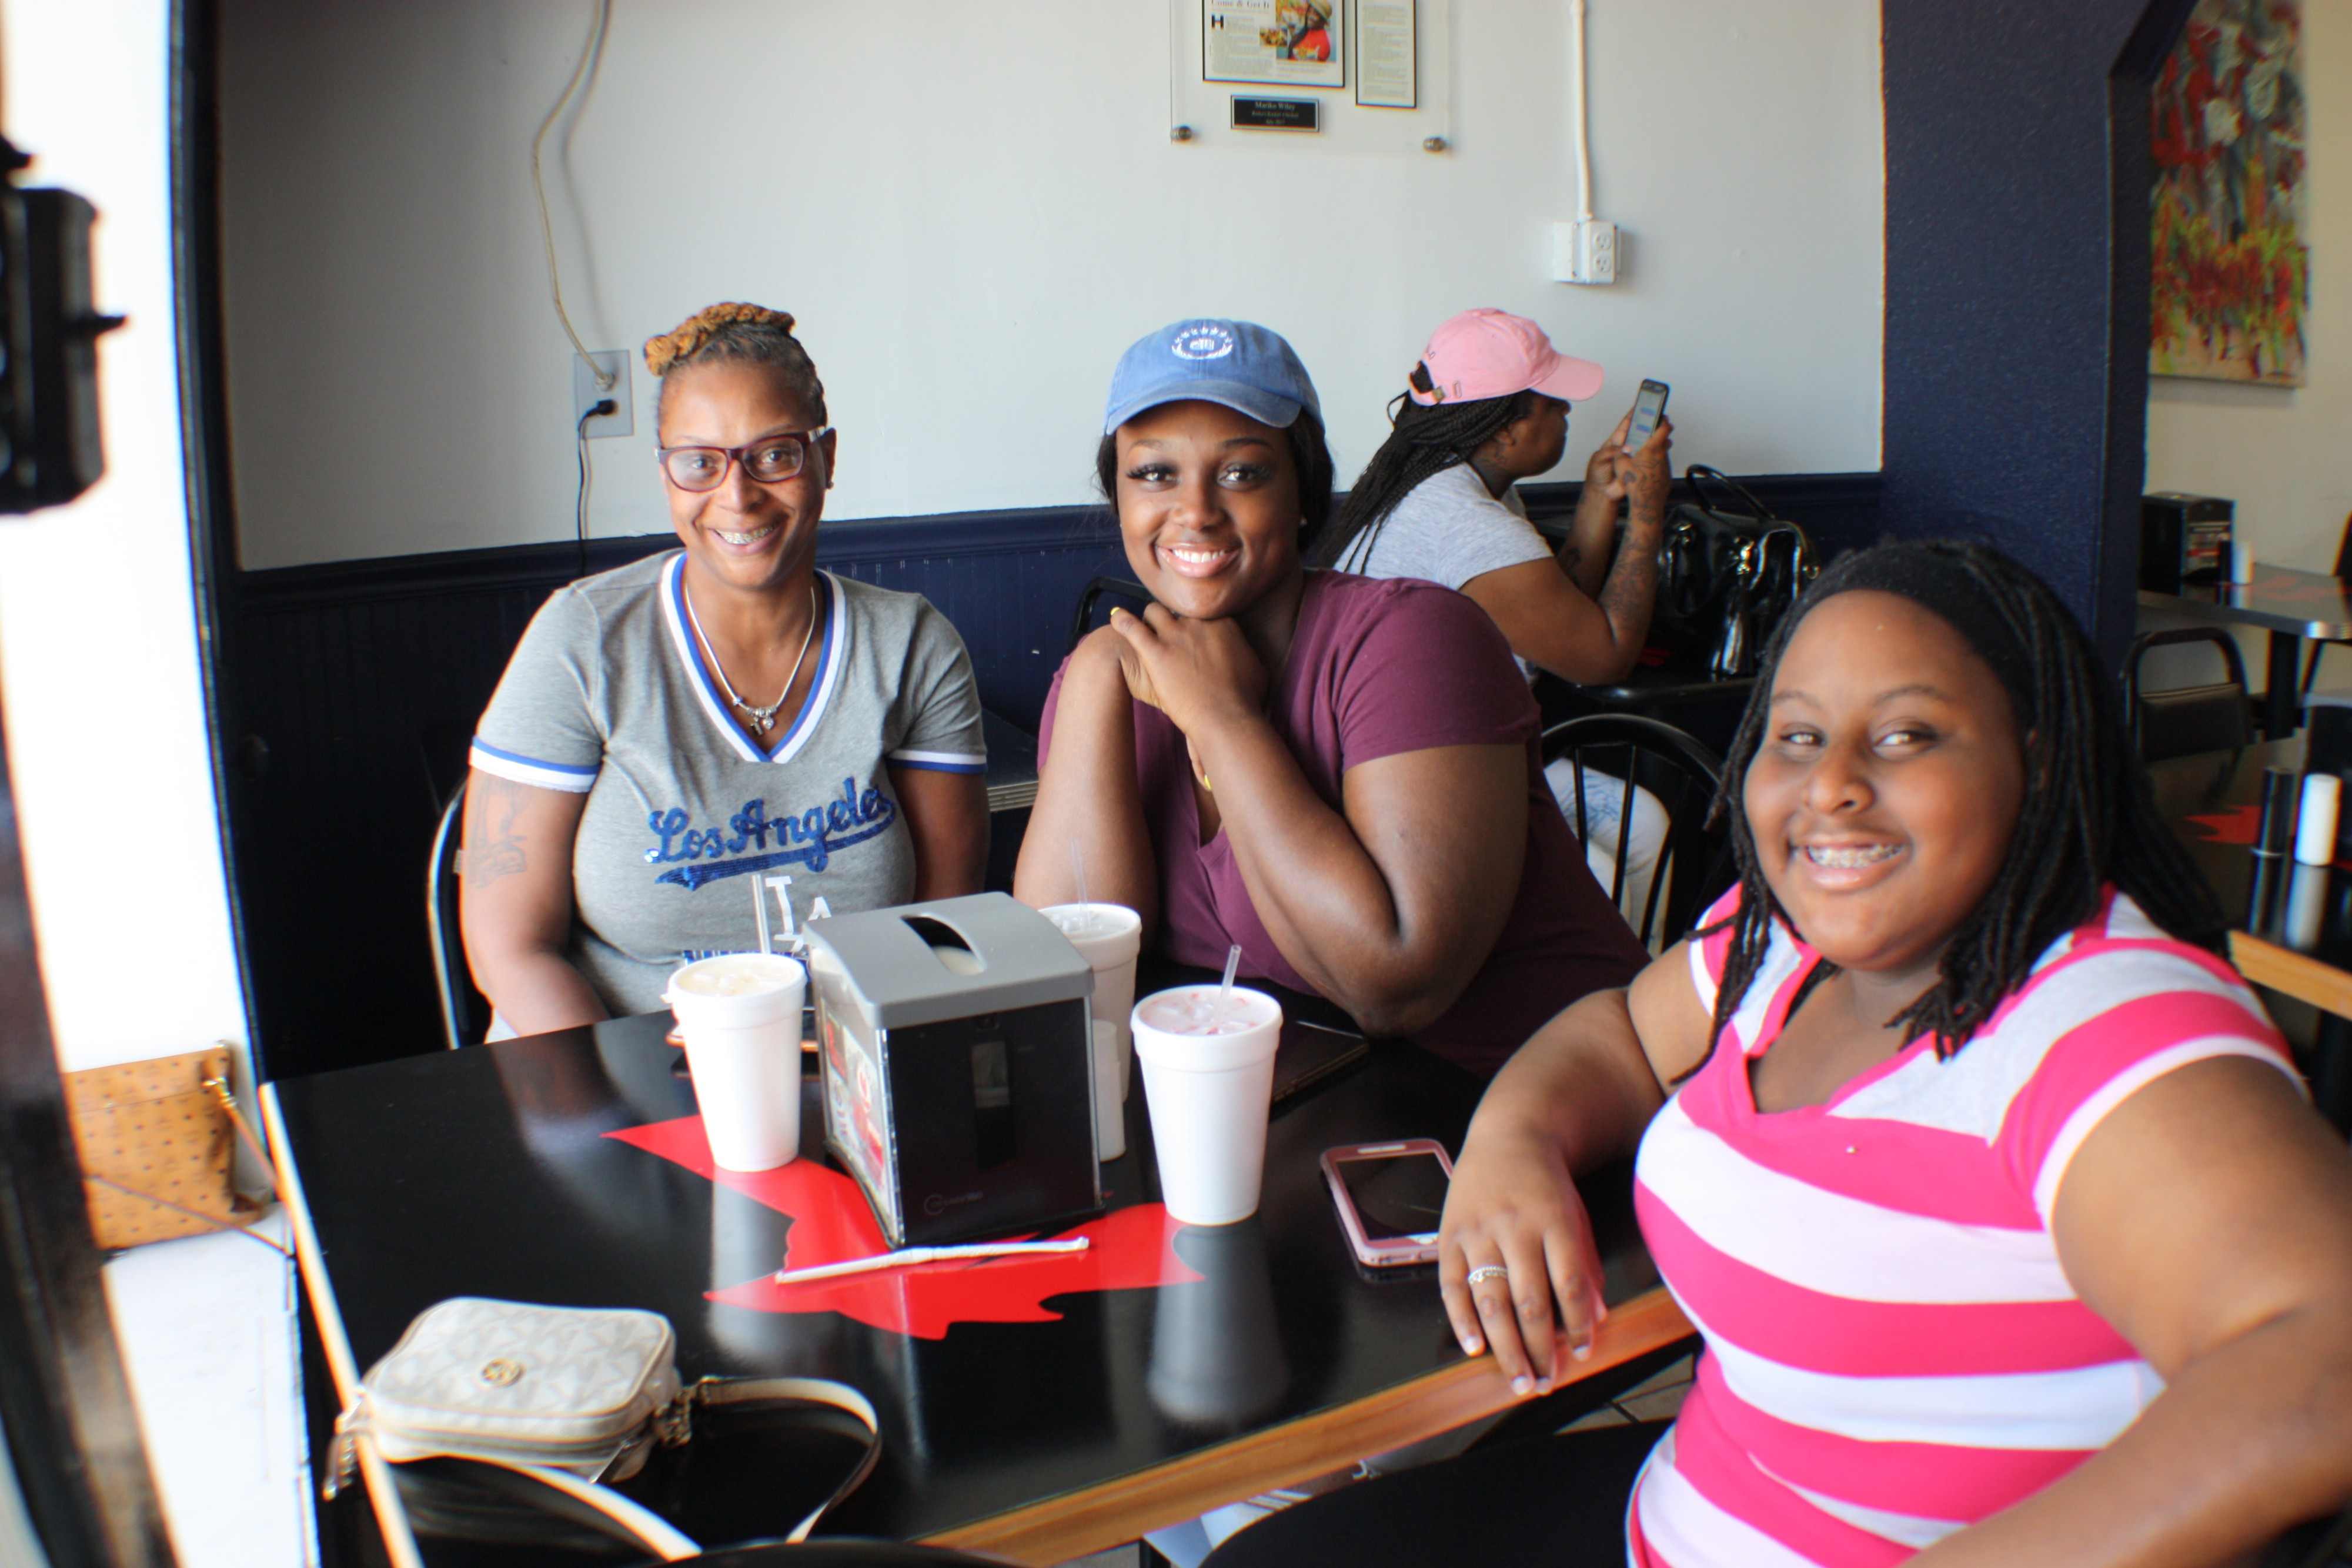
{"type": "Point", "coordinates": [747, 333]}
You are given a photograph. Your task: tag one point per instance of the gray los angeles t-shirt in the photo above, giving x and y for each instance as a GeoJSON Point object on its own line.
{"type": "Point", "coordinates": [685, 814]}
{"type": "Point", "coordinates": [1448, 530]}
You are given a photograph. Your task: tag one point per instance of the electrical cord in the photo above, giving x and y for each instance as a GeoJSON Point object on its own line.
{"type": "Point", "coordinates": [598, 410]}
{"type": "Point", "coordinates": [581, 72]}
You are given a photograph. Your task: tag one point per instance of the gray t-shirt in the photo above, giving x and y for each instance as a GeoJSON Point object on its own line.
{"type": "Point", "coordinates": [1448, 530]}
{"type": "Point", "coordinates": [685, 814]}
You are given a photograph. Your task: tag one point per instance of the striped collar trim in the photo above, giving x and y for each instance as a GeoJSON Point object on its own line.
{"type": "Point", "coordinates": [830, 659]}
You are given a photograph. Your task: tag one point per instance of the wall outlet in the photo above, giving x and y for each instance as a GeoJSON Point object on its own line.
{"type": "Point", "coordinates": [586, 394]}
{"type": "Point", "coordinates": [1584, 252]}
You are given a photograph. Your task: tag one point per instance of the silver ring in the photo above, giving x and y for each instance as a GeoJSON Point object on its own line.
{"type": "Point", "coordinates": [1480, 1275]}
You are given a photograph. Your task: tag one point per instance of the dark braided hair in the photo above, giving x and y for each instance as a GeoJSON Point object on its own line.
{"type": "Point", "coordinates": [743, 334]}
{"type": "Point", "coordinates": [1424, 439]}
{"type": "Point", "coordinates": [1310, 457]}
{"type": "Point", "coordinates": [2087, 817]}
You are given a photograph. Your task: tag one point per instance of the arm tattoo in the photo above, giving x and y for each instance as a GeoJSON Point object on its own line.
{"type": "Point", "coordinates": [1571, 558]}
{"type": "Point", "coordinates": [492, 849]}
{"type": "Point", "coordinates": [1631, 594]}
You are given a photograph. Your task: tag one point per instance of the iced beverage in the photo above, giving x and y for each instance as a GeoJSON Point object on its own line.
{"type": "Point", "coordinates": [1208, 1082]}
{"type": "Point", "coordinates": [1108, 936]}
{"type": "Point", "coordinates": [741, 1016]}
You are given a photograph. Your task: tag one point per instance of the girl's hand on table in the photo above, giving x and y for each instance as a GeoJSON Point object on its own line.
{"type": "Point", "coordinates": [1513, 1205]}
{"type": "Point", "coordinates": [1200, 672]}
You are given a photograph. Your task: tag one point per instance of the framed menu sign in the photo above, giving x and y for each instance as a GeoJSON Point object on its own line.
{"type": "Point", "coordinates": [1276, 42]}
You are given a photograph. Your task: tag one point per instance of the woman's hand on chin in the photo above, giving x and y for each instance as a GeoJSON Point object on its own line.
{"type": "Point", "coordinates": [1198, 673]}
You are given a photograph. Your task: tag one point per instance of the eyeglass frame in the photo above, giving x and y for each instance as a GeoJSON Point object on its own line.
{"type": "Point", "coordinates": [734, 457]}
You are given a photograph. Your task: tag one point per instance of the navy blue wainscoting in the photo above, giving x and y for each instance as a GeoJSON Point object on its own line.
{"type": "Point", "coordinates": [347, 692]}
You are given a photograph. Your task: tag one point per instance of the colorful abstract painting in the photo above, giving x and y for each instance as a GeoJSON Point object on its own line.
{"type": "Point", "coordinates": [2227, 129]}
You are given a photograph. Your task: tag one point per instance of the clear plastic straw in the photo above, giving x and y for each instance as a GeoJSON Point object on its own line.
{"type": "Point", "coordinates": [1225, 991]}
{"type": "Point", "coordinates": [1078, 871]}
{"type": "Point", "coordinates": [760, 913]}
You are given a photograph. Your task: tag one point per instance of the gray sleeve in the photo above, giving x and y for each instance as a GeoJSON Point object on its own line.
{"type": "Point", "coordinates": [1448, 532]}
{"type": "Point", "coordinates": [939, 702]}
{"type": "Point", "coordinates": [539, 728]}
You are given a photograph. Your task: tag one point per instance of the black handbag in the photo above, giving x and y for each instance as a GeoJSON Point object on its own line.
{"type": "Point", "coordinates": [1726, 578]}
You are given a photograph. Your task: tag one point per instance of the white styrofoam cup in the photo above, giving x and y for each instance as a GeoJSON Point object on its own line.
{"type": "Point", "coordinates": [744, 1051]}
{"type": "Point", "coordinates": [1108, 936]}
{"type": "Point", "coordinates": [1110, 1109]}
{"type": "Point", "coordinates": [1209, 1095]}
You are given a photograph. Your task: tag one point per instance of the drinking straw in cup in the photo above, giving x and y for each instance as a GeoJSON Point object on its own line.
{"type": "Point", "coordinates": [1209, 1093]}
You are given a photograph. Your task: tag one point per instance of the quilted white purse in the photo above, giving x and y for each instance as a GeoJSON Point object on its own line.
{"type": "Point", "coordinates": [571, 1395]}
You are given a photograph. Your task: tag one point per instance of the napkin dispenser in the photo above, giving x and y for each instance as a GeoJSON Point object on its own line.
{"type": "Point", "coordinates": [959, 1066]}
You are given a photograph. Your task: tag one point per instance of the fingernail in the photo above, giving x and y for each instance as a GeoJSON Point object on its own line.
{"type": "Point", "coordinates": [1520, 1387]}
{"type": "Point", "coordinates": [1582, 1351]}
{"type": "Point", "coordinates": [1543, 1384]}
{"type": "Point", "coordinates": [1473, 1347]}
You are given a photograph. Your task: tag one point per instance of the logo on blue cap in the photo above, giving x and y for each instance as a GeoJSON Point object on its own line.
{"type": "Point", "coordinates": [1203, 341]}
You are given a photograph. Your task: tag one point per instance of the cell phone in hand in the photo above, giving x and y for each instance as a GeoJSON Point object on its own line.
{"type": "Point", "coordinates": [1648, 407]}
{"type": "Point", "coordinates": [1389, 1197]}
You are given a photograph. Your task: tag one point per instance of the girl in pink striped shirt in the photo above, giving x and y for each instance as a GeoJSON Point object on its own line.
{"type": "Point", "coordinates": [1984, 1177]}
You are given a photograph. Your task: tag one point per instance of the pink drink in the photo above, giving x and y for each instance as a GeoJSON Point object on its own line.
{"type": "Point", "coordinates": [1208, 1093]}
{"type": "Point", "coordinates": [1190, 1011]}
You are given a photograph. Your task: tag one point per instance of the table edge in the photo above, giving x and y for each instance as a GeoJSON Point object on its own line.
{"type": "Point", "coordinates": [1113, 1512]}
{"type": "Point", "coordinates": [2293, 974]}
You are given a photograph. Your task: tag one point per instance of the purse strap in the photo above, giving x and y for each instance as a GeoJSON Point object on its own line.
{"type": "Point", "coordinates": [672, 1428]}
{"type": "Point", "coordinates": [1698, 475]}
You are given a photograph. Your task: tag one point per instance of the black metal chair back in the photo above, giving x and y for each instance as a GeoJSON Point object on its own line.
{"type": "Point", "coordinates": [465, 1011]}
{"type": "Point", "coordinates": [2181, 721]}
{"type": "Point", "coordinates": [1119, 587]}
{"type": "Point", "coordinates": [1695, 864]}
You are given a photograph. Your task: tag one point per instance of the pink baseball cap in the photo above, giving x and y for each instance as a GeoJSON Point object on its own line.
{"type": "Point", "coordinates": [1492, 353]}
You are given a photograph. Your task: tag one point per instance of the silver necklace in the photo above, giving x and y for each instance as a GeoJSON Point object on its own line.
{"type": "Point", "coordinates": [763, 720]}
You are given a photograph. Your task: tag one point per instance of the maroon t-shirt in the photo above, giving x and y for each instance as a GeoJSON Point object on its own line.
{"type": "Point", "coordinates": [1376, 668]}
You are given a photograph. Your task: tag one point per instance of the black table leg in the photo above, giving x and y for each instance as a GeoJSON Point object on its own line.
{"type": "Point", "coordinates": [2282, 702]}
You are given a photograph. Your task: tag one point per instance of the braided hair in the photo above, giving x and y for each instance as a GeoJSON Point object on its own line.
{"type": "Point", "coordinates": [1424, 439]}
{"type": "Point", "coordinates": [2087, 819]}
{"type": "Point", "coordinates": [741, 334]}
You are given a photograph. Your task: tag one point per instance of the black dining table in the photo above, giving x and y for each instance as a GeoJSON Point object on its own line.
{"type": "Point", "coordinates": [2291, 605]}
{"type": "Point", "coordinates": [2290, 926]}
{"type": "Point", "coordinates": [1034, 1410]}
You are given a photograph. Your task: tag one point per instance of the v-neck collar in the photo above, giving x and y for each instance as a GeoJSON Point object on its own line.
{"type": "Point", "coordinates": [714, 703]}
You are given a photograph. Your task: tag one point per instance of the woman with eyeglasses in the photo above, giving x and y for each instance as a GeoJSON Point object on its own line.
{"type": "Point", "coordinates": [677, 740]}
{"type": "Point", "coordinates": [1337, 774]}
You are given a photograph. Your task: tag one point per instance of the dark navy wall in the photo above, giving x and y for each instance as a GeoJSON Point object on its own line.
{"type": "Point", "coordinates": [2016, 340]}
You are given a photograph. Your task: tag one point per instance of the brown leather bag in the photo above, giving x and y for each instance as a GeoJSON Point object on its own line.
{"type": "Point", "coordinates": [156, 1150]}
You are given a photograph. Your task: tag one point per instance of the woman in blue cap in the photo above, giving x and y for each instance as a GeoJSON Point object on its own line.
{"type": "Point", "coordinates": [1339, 774]}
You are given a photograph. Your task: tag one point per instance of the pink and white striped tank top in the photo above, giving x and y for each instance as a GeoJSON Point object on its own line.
{"type": "Point", "coordinates": [1893, 1350]}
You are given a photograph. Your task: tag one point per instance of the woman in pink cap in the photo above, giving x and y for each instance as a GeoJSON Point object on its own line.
{"type": "Point", "coordinates": [1487, 407]}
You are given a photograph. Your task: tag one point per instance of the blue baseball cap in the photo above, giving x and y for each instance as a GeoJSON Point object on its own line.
{"type": "Point", "coordinates": [1239, 364]}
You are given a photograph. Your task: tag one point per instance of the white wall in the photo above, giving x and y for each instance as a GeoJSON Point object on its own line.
{"type": "Point", "coordinates": [105, 712]}
{"type": "Point", "coordinates": [2284, 453]}
{"type": "Point", "coordinates": [973, 209]}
